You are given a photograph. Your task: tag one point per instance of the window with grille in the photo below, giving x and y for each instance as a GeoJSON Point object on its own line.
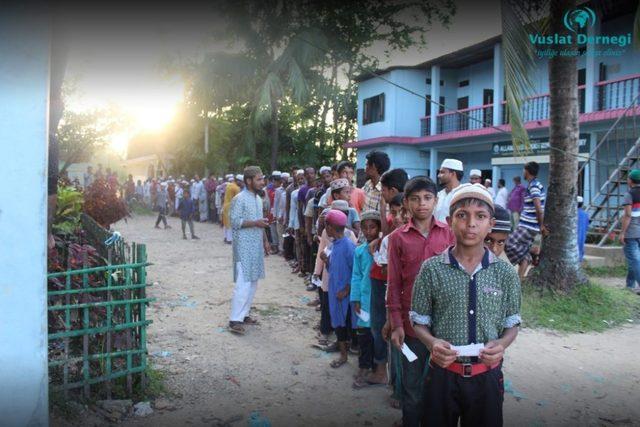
{"type": "Point", "coordinates": [373, 109]}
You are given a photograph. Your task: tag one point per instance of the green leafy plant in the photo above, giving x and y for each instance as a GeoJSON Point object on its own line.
{"type": "Point", "coordinates": [68, 210]}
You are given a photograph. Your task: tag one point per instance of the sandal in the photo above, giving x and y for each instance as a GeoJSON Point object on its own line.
{"type": "Point", "coordinates": [360, 383]}
{"type": "Point", "coordinates": [337, 363]}
{"type": "Point", "coordinates": [249, 321]}
{"type": "Point", "coordinates": [236, 328]}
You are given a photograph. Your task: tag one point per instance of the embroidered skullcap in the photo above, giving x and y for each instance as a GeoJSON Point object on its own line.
{"type": "Point", "coordinates": [299, 172]}
{"type": "Point", "coordinates": [475, 172]}
{"type": "Point", "coordinates": [503, 221]}
{"type": "Point", "coordinates": [285, 175]}
{"type": "Point", "coordinates": [471, 191]}
{"type": "Point", "coordinates": [324, 169]}
{"type": "Point", "coordinates": [341, 205]}
{"type": "Point", "coordinates": [453, 164]}
{"type": "Point", "coordinates": [339, 183]}
{"type": "Point", "coordinates": [370, 214]}
{"type": "Point", "coordinates": [239, 177]}
{"type": "Point", "coordinates": [276, 173]}
{"type": "Point", "coordinates": [336, 217]}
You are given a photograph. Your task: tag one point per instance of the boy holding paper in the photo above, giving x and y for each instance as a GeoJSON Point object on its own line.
{"type": "Point", "coordinates": [463, 297]}
{"type": "Point", "coordinates": [361, 295]}
{"type": "Point", "coordinates": [418, 240]}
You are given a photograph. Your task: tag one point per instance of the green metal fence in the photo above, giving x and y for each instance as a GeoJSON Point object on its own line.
{"type": "Point", "coordinates": [97, 324]}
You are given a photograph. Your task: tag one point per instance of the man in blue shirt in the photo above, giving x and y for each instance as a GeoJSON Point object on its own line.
{"type": "Point", "coordinates": [583, 225]}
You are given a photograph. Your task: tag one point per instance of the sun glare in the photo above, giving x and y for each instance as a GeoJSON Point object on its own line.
{"type": "Point", "coordinates": [152, 116]}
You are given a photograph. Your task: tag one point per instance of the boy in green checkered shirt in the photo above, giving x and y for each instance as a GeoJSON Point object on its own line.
{"type": "Point", "coordinates": [466, 296]}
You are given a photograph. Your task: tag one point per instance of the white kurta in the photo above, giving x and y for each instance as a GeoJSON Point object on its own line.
{"type": "Point", "coordinates": [442, 208]}
{"type": "Point", "coordinates": [248, 247]}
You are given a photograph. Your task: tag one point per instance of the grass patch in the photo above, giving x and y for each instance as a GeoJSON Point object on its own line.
{"type": "Point", "coordinates": [617, 271]}
{"type": "Point", "coordinates": [588, 308]}
{"type": "Point", "coordinates": [270, 310]}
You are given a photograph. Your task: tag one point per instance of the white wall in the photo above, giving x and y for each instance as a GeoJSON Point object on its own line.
{"type": "Point", "coordinates": [24, 98]}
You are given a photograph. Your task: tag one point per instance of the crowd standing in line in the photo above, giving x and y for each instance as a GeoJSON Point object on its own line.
{"type": "Point", "coordinates": [362, 249]}
{"type": "Point", "coordinates": [407, 272]}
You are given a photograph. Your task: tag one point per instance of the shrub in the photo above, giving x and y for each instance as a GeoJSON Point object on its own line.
{"type": "Point", "coordinates": [103, 204]}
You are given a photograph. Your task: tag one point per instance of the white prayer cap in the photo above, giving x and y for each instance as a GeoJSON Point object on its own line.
{"type": "Point", "coordinates": [229, 178]}
{"type": "Point", "coordinates": [471, 191]}
{"type": "Point", "coordinates": [285, 175]}
{"type": "Point", "coordinates": [239, 177]}
{"type": "Point", "coordinates": [276, 173]}
{"type": "Point", "coordinates": [580, 199]}
{"type": "Point", "coordinates": [453, 164]}
{"type": "Point", "coordinates": [229, 175]}
{"type": "Point", "coordinates": [324, 169]}
{"type": "Point", "coordinates": [193, 180]}
{"type": "Point", "coordinates": [164, 185]}
{"type": "Point", "coordinates": [299, 172]}
{"type": "Point", "coordinates": [475, 172]}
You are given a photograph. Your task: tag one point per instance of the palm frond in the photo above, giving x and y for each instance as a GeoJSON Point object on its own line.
{"type": "Point", "coordinates": [518, 19]}
{"type": "Point", "coordinates": [270, 92]}
{"type": "Point", "coordinates": [297, 82]}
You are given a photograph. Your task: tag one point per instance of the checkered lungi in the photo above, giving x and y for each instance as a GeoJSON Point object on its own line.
{"type": "Point", "coordinates": [519, 244]}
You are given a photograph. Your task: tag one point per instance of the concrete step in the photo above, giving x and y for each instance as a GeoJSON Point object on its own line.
{"type": "Point", "coordinates": [612, 255]}
{"type": "Point", "coordinates": [595, 261]}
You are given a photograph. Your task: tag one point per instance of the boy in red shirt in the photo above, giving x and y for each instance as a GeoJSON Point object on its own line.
{"type": "Point", "coordinates": [420, 239]}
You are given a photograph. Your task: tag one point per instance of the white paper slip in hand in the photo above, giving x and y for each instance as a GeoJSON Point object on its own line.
{"type": "Point", "coordinates": [364, 315]}
{"type": "Point", "coordinates": [470, 350]}
{"type": "Point", "coordinates": [410, 355]}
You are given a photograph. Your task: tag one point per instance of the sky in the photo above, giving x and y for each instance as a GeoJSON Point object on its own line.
{"type": "Point", "coordinates": [115, 55]}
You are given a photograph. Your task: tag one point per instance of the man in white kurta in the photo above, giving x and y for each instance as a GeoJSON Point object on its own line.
{"type": "Point", "coordinates": [203, 201]}
{"type": "Point", "coordinates": [449, 175]}
{"type": "Point", "coordinates": [249, 248]}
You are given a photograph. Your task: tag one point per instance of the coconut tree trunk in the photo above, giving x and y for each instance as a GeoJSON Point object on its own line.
{"type": "Point", "coordinates": [559, 266]}
{"type": "Point", "coordinates": [275, 138]}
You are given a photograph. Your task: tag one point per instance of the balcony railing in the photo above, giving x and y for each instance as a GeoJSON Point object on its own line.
{"type": "Point", "coordinates": [610, 95]}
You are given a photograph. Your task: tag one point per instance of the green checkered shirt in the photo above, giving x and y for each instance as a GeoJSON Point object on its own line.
{"type": "Point", "coordinates": [461, 308]}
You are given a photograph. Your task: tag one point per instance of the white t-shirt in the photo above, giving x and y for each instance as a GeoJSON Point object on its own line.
{"type": "Point", "coordinates": [381, 256]}
{"type": "Point", "coordinates": [502, 197]}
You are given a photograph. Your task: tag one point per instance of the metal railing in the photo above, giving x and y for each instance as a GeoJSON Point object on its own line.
{"type": "Point", "coordinates": [609, 95]}
{"type": "Point", "coordinates": [617, 152]}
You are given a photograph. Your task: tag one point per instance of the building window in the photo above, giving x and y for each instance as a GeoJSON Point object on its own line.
{"type": "Point", "coordinates": [429, 82]}
{"type": "Point", "coordinates": [463, 83]}
{"type": "Point", "coordinates": [373, 109]}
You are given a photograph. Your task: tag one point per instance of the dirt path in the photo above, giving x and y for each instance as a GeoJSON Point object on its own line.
{"type": "Point", "coordinates": [218, 378]}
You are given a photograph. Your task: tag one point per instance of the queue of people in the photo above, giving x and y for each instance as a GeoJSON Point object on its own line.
{"type": "Point", "coordinates": [405, 274]}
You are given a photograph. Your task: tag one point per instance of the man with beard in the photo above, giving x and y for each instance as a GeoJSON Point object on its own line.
{"type": "Point", "coordinates": [250, 246]}
{"type": "Point", "coordinates": [449, 176]}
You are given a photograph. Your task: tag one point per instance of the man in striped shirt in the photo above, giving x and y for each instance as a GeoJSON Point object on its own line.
{"type": "Point", "coordinates": [531, 221]}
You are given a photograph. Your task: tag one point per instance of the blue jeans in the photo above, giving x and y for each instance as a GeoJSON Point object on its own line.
{"type": "Point", "coordinates": [632, 253]}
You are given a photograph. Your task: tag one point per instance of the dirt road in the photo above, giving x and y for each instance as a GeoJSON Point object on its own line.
{"type": "Point", "coordinates": [272, 372]}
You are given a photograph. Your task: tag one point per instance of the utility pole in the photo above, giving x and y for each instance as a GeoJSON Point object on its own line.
{"type": "Point", "coordinates": [206, 148]}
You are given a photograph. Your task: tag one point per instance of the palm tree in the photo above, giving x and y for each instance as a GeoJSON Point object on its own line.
{"type": "Point", "coordinates": [559, 266]}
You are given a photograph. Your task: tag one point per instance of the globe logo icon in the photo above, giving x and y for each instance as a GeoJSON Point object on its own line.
{"type": "Point", "coordinates": [579, 19]}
